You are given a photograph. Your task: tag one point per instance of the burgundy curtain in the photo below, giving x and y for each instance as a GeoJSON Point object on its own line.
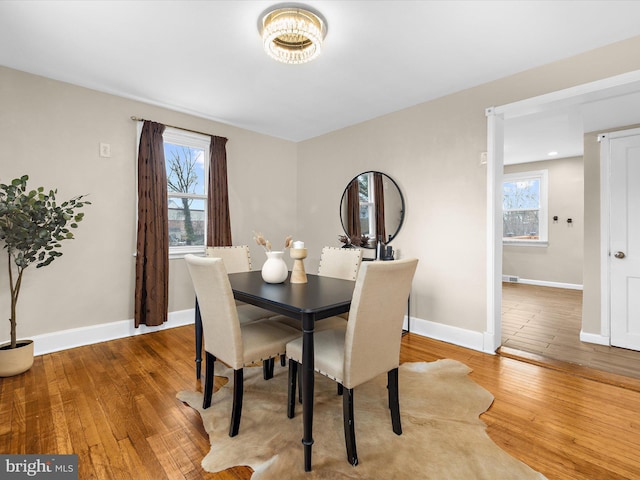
{"type": "Point", "coordinates": [152, 251]}
{"type": "Point", "coordinates": [378, 194]}
{"type": "Point", "coordinates": [218, 221]}
{"type": "Point", "coordinates": [353, 209]}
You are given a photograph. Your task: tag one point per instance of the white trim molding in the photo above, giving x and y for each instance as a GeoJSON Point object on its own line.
{"type": "Point", "coordinates": [491, 340]}
{"type": "Point", "coordinates": [479, 341]}
{"type": "Point", "coordinates": [543, 283]}
{"type": "Point", "coordinates": [594, 338]}
{"type": "Point", "coordinates": [77, 337]}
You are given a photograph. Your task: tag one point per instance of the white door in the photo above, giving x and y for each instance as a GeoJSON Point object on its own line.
{"type": "Point", "coordinates": [624, 240]}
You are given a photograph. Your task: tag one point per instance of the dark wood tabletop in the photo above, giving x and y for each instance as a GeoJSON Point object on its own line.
{"type": "Point", "coordinates": [321, 296]}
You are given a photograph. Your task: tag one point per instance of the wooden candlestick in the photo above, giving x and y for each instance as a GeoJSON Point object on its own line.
{"type": "Point", "coordinates": [298, 275]}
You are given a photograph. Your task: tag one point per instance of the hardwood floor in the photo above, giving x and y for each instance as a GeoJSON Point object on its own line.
{"type": "Point", "coordinates": [546, 322]}
{"type": "Point", "coordinates": [114, 404]}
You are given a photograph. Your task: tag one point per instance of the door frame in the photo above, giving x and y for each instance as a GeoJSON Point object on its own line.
{"type": "Point", "coordinates": [598, 90]}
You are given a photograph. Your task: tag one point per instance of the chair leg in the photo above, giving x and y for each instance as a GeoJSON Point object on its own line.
{"type": "Point", "coordinates": [283, 360]}
{"type": "Point", "coordinates": [198, 335]}
{"type": "Point", "coordinates": [208, 380]}
{"type": "Point", "coordinates": [300, 385]}
{"type": "Point", "coordinates": [236, 412]}
{"type": "Point", "coordinates": [349, 426]}
{"type": "Point", "coordinates": [267, 368]}
{"type": "Point", "coordinates": [291, 397]}
{"type": "Point", "coordinates": [340, 388]}
{"type": "Point", "coordinates": [394, 400]}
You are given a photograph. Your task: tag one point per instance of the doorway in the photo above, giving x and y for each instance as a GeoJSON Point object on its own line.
{"type": "Point", "coordinates": [582, 97]}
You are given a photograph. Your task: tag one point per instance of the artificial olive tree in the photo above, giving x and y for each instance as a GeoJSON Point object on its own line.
{"type": "Point", "coordinates": [32, 227]}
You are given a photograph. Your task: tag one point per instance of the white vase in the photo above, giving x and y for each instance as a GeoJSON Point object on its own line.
{"type": "Point", "coordinates": [274, 269]}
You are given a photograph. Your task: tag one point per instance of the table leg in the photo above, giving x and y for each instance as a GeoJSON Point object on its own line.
{"type": "Point", "coordinates": [198, 329]}
{"type": "Point", "coordinates": [307, 387]}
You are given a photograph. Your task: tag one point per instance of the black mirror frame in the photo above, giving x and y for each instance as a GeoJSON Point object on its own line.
{"type": "Point", "coordinates": [402, 210]}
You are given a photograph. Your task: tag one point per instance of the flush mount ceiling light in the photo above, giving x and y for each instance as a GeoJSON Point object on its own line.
{"type": "Point", "coordinates": [292, 33]}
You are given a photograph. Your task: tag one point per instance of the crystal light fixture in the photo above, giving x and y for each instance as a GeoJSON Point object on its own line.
{"type": "Point", "coordinates": [292, 33]}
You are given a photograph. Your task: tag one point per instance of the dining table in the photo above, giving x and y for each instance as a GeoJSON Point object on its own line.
{"type": "Point", "coordinates": [320, 297]}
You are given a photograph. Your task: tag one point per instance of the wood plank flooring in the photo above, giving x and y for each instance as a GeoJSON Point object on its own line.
{"type": "Point", "coordinates": [546, 322]}
{"type": "Point", "coordinates": [114, 404]}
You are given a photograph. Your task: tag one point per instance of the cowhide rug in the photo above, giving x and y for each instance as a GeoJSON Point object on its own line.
{"type": "Point", "coordinates": [443, 437]}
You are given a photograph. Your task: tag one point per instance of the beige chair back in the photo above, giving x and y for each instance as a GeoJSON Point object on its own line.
{"type": "Point", "coordinates": [236, 259]}
{"type": "Point", "coordinates": [341, 263]}
{"type": "Point", "coordinates": [374, 329]}
{"type": "Point", "coordinates": [220, 324]}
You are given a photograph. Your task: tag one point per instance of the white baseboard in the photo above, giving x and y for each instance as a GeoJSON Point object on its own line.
{"type": "Point", "coordinates": [76, 337]}
{"type": "Point", "coordinates": [542, 283]}
{"type": "Point", "coordinates": [449, 334]}
{"type": "Point", "coordinates": [594, 338]}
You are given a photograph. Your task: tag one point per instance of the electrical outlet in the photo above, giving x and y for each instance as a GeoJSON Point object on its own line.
{"type": "Point", "coordinates": [105, 150]}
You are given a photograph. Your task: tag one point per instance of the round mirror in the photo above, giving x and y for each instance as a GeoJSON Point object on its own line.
{"type": "Point", "coordinates": [371, 207]}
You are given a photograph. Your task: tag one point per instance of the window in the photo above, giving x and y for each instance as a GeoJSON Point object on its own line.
{"type": "Point", "coordinates": [367, 205]}
{"type": "Point", "coordinates": [187, 165]}
{"type": "Point", "coordinates": [524, 208]}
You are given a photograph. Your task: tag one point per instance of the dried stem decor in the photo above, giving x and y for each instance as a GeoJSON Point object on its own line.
{"type": "Point", "coordinates": [266, 244]}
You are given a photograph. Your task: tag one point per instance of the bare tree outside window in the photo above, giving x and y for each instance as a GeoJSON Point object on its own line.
{"type": "Point", "coordinates": [524, 201]}
{"type": "Point", "coordinates": [186, 162]}
{"type": "Point", "coordinates": [521, 202]}
{"type": "Point", "coordinates": [182, 177]}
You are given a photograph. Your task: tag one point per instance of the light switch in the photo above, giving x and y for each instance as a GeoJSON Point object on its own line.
{"type": "Point", "coordinates": [105, 150]}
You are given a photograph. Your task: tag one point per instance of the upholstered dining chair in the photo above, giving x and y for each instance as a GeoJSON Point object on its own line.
{"type": "Point", "coordinates": [237, 259]}
{"type": "Point", "coordinates": [365, 346]}
{"type": "Point", "coordinates": [225, 338]}
{"type": "Point", "coordinates": [342, 263]}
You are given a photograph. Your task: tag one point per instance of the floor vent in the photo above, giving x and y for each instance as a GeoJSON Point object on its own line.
{"type": "Point", "coordinates": [510, 278]}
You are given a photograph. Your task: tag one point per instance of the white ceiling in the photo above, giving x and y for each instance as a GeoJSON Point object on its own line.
{"type": "Point", "coordinates": [205, 58]}
{"type": "Point", "coordinates": [561, 129]}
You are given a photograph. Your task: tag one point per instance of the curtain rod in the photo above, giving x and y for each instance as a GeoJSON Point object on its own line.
{"type": "Point", "coordinates": [138, 119]}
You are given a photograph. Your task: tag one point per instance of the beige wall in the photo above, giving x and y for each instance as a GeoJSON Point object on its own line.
{"type": "Point", "coordinates": [591, 273]}
{"type": "Point", "coordinates": [562, 260]}
{"type": "Point", "coordinates": [433, 150]}
{"type": "Point", "coordinates": [51, 131]}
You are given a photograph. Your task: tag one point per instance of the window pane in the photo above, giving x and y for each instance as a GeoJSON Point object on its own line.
{"type": "Point", "coordinates": [186, 222]}
{"type": "Point", "coordinates": [185, 169]}
{"type": "Point", "coordinates": [364, 219]}
{"type": "Point", "coordinates": [363, 187]}
{"type": "Point", "coordinates": [521, 224]}
{"type": "Point", "coordinates": [521, 194]}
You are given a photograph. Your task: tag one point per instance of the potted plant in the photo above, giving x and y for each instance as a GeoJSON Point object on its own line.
{"type": "Point", "coordinates": [32, 227]}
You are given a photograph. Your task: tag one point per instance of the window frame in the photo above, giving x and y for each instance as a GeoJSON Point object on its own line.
{"type": "Point", "coordinates": [176, 136]}
{"type": "Point", "coordinates": [543, 211]}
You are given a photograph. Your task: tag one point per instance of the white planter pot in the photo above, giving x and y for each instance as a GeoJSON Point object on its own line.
{"type": "Point", "coordinates": [14, 361]}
